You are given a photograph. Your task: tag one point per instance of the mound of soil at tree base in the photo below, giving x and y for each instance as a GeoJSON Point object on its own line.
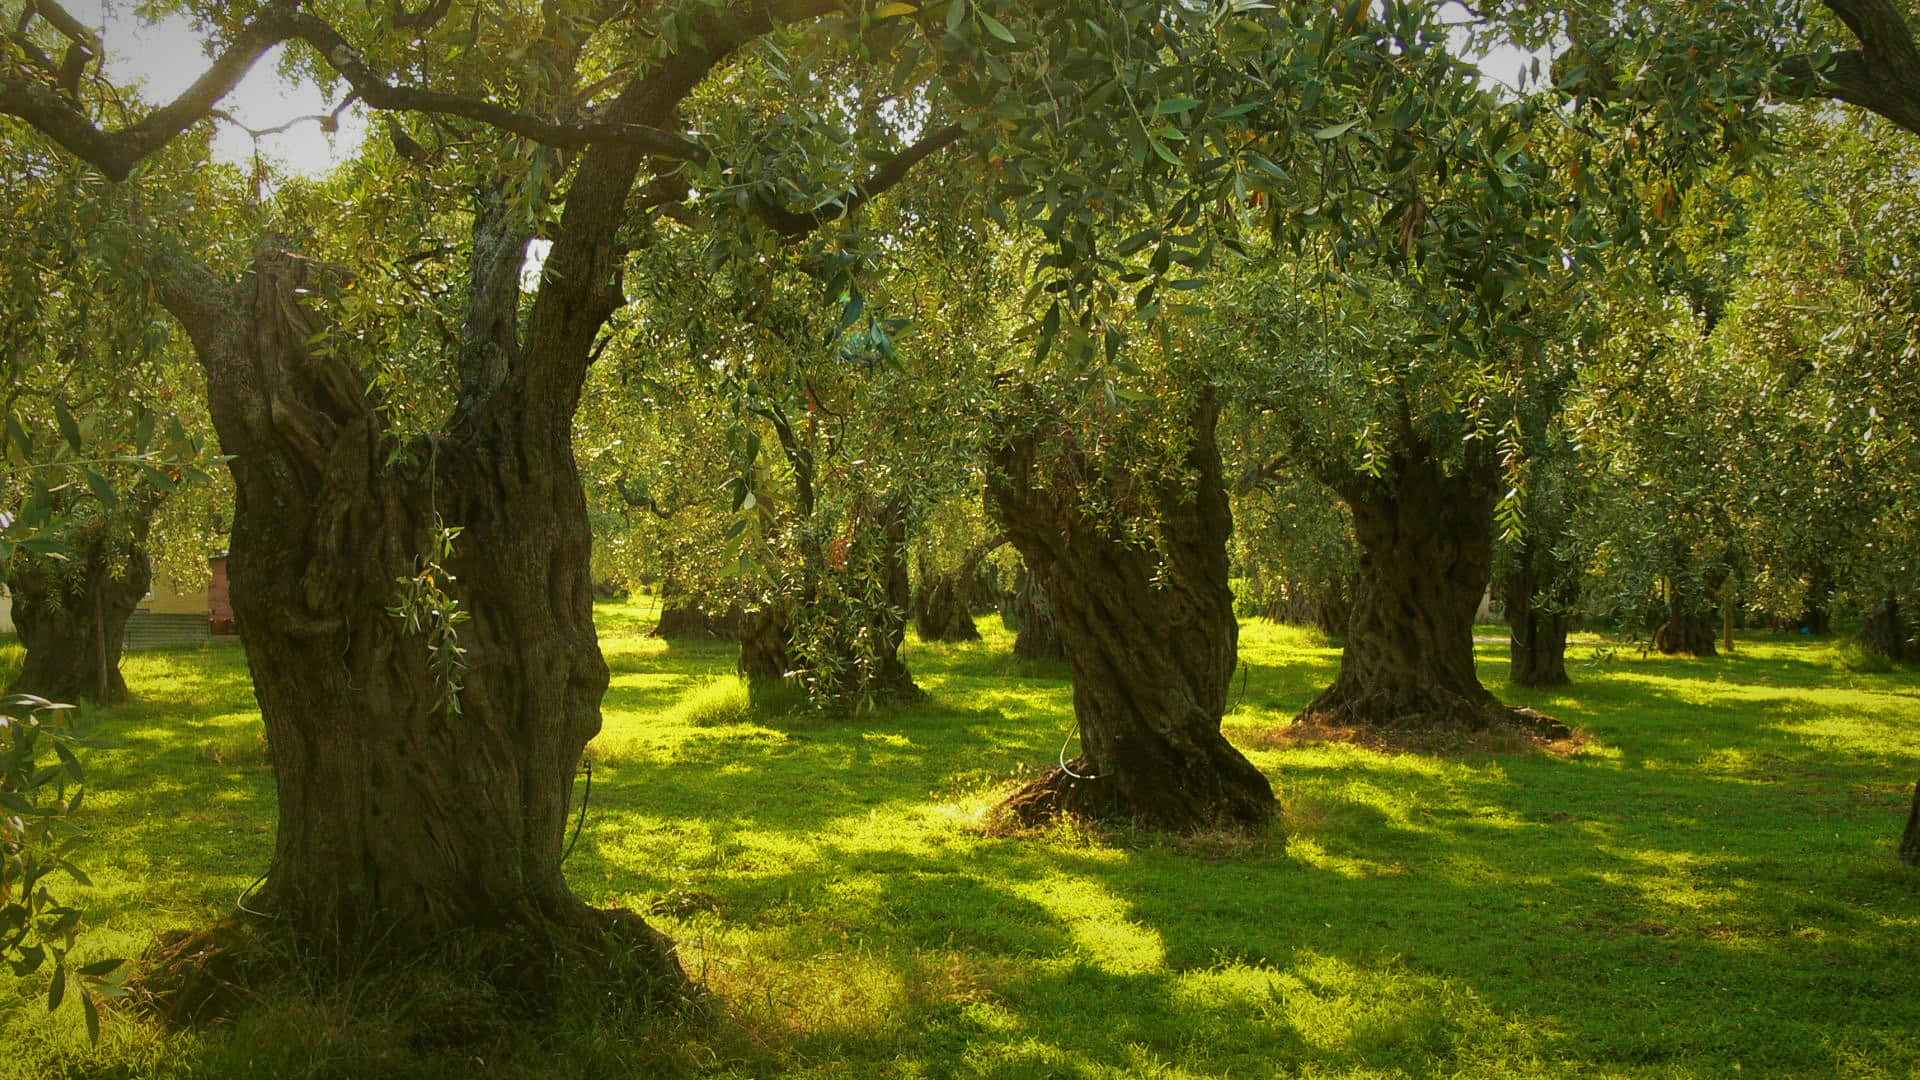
{"type": "Point", "coordinates": [465, 986]}
{"type": "Point", "coordinates": [1521, 731]}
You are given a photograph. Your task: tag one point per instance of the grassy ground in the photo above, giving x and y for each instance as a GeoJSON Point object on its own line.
{"type": "Point", "coordinates": [1707, 886]}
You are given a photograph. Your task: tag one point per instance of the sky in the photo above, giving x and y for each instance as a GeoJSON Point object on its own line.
{"type": "Point", "coordinates": [167, 57]}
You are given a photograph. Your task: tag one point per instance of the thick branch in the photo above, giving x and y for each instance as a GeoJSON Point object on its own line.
{"type": "Point", "coordinates": [793, 223]}
{"type": "Point", "coordinates": [1882, 76]}
{"type": "Point", "coordinates": [115, 153]}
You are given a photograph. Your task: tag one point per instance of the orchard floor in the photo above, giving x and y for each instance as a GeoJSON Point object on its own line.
{"type": "Point", "coordinates": [1706, 887]}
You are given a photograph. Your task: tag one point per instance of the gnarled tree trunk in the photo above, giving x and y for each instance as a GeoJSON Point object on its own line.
{"type": "Point", "coordinates": [1689, 626]}
{"type": "Point", "coordinates": [1150, 632]}
{"type": "Point", "coordinates": [1686, 633]}
{"type": "Point", "coordinates": [683, 617]}
{"type": "Point", "coordinates": [827, 631]}
{"type": "Point", "coordinates": [1332, 604]}
{"type": "Point", "coordinates": [888, 676]}
{"type": "Point", "coordinates": [1036, 636]}
{"type": "Point", "coordinates": [1884, 630]}
{"type": "Point", "coordinates": [943, 608]}
{"type": "Point", "coordinates": [1426, 552]}
{"type": "Point", "coordinates": [72, 613]}
{"type": "Point", "coordinates": [940, 608]}
{"type": "Point", "coordinates": [1539, 593]}
{"type": "Point", "coordinates": [419, 792]}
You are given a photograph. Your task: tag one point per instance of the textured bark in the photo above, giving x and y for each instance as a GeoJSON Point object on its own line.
{"type": "Point", "coordinates": [943, 608]}
{"type": "Point", "coordinates": [72, 614]}
{"type": "Point", "coordinates": [1885, 632]}
{"type": "Point", "coordinates": [1036, 636]}
{"type": "Point", "coordinates": [1689, 626]}
{"type": "Point", "coordinates": [684, 618]}
{"type": "Point", "coordinates": [1332, 605]}
{"type": "Point", "coordinates": [1426, 553]}
{"type": "Point", "coordinates": [888, 676]}
{"type": "Point", "coordinates": [1910, 840]}
{"type": "Point", "coordinates": [1537, 641]}
{"type": "Point", "coordinates": [1686, 633]}
{"type": "Point", "coordinates": [1539, 593]}
{"type": "Point", "coordinates": [940, 608]}
{"type": "Point", "coordinates": [400, 819]}
{"type": "Point", "coordinates": [1150, 632]}
{"type": "Point", "coordinates": [764, 652]}
{"type": "Point", "coordinates": [827, 633]}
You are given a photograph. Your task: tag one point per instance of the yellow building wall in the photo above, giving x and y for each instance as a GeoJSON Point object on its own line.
{"type": "Point", "coordinates": [170, 597]}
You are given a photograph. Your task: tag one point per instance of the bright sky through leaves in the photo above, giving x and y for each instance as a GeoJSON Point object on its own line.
{"type": "Point", "coordinates": [165, 57]}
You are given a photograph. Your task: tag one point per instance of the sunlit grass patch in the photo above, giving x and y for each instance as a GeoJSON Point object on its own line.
{"type": "Point", "coordinates": [1708, 883]}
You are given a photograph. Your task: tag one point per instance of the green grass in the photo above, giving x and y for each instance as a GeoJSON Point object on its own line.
{"type": "Point", "coordinates": [1707, 886]}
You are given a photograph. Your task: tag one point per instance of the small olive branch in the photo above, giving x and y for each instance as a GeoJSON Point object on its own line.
{"type": "Point", "coordinates": [431, 612]}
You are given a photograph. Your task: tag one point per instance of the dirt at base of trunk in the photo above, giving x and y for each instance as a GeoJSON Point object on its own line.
{"type": "Point", "coordinates": [463, 986]}
{"type": "Point", "coordinates": [1509, 731]}
{"type": "Point", "coordinates": [1076, 793]}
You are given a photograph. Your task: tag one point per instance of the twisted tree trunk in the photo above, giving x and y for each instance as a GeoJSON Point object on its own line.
{"type": "Point", "coordinates": [1686, 633]}
{"type": "Point", "coordinates": [1539, 593]}
{"type": "Point", "coordinates": [828, 629]}
{"type": "Point", "coordinates": [886, 675]}
{"type": "Point", "coordinates": [943, 608]}
{"type": "Point", "coordinates": [1689, 627]}
{"type": "Point", "coordinates": [1426, 553]}
{"type": "Point", "coordinates": [1036, 635]}
{"type": "Point", "coordinates": [1332, 604]}
{"type": "Point", "coordinates": [1150, 632]}
{"type": "Point", "coordinates": [419, 791]}
{"type": "Point", "coordinates": [72, 613]}
{"type": "Point", "coordinates": [684, 617]}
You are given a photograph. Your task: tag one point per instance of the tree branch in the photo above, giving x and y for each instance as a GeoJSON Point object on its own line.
{"type": "Point", "coordinates": [1882, 76]}
{"type": "Point", "coordinates": [794, 223]}
{"type": "Point", "coordinates": [115, 153]}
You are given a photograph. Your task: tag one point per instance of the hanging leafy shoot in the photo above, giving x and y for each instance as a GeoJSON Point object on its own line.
{"type": "Point", "coordinates": [432, 613]}
{"type": "Point", "coordinates": [38, 800]}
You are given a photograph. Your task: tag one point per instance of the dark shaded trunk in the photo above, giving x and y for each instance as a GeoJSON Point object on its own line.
{"type": "Point", "coordinates": [1426, 553]}
{"type": "Point", "coordinates": [1332, 605]}
{"type": "Point", "coordinates": [1537, 642]}
{"type": "Point", "coordinates": [71, 614]}
{"type": "Point", "coordinates": [941, 611]}
{"type": "Point", "coordinates": [1036, 637]}
{"type": "Point", "coordinates": [764, 653]}
{"type": "Point", "coordinates": [421, 790]}
{"type": "Point", "coordinates": [1686, 633]}
{"type": "Point", "coordinates": [1539, 593]}
{"type": "Point", "coordinates": [943, 608]}
{"type": "Point", "coordinates": [1150, 632]}
{"type": "Point", "coordinates": [1816, 610]}
{"type": "Point", "coordinates": [1884, 631]}
{"type": "Point", "coordinates": [1910, 840]}
{"type": "Point", "coordinates": [685, 618]}
{"type": "Point", "coordinates": [1688, 628]}
{"type": "Point", "coordinates": [888, 676]}
{"type": "Point", "coordinates": [838, 636]}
